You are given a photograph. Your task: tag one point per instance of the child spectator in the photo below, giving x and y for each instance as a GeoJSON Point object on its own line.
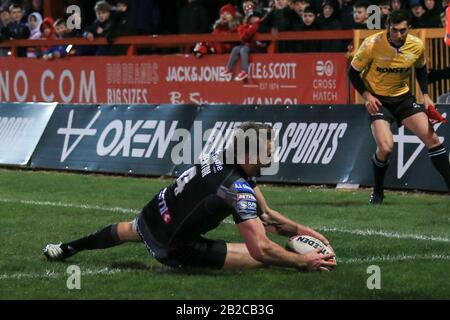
{"type": "Point", "coordinates": [227, 23]}
{"type": "Point", "coordinates": [299, 7]}
{"type": "Point", "coordinates": [100, 27]}
{"type": "Point", "coordinates": [247, 33]}
{"type": "Point", "coordinates": [329, 21]}
{"type": "Point", "coordinates": [248, 6]}
{"type": "Point", "coordinates": [16, 29]}
{"type": "Point", "coordinates": [385, 9]}
{"type": "Point", "coordinates": [34, 24]}
{"type": "Point", "coordinates": [309, 24]}
{"type": "Point", "coordinates": [122, 25]}
{"type": "Point", "coordinates": [58, 52]}
{"type": "Point", "coordinates": [360, 15]}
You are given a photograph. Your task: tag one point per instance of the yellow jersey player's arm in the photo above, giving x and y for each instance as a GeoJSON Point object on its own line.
{"type": "Point", "coordinates": [421, 71]}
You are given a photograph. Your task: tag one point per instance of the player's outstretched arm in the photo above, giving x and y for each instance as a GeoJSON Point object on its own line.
{"type": "Point", "coordinates": [277, 223]}
{"type": "Point", "coordinates": [262, 249]}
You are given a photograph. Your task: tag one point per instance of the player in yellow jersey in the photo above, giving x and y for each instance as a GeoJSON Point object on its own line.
{"type": "Point", "coordinates": [380, 72]}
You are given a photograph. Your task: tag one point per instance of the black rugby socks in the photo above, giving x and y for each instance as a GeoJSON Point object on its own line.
{"type": "Point", "coordinates": [103, 239]}
{"type": "Point", "coordinates": [379, 170]}
{"type": "Point", "coordinates": [440, 159]}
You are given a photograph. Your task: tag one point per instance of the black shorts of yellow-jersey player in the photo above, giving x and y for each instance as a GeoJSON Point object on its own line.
{"type": "Point", "coordinates": [380, 72]}
{"type": "Point", "coordinates": [174, 224]}
{"type": "Point", "coordinates": [396, 109]}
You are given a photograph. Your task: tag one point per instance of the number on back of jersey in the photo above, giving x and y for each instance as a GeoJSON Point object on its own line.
{"type": "Point", "coordinates": [184, 179]}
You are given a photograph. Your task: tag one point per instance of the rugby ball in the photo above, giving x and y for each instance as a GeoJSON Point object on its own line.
{"type": "Point", "coordinates": [306, 244]}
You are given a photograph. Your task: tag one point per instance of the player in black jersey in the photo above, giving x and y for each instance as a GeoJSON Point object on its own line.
{"type": "Point", "coordinates": [173, 224]}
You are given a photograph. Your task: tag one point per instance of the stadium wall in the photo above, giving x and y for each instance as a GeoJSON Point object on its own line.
{"type": "Point", "coordinates": [316, 78]}
{"type": "Point", "coordinates": [166, 140]}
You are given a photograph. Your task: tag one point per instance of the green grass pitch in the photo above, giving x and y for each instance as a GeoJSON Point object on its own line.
{"type": "Point", "coordinates": [408, 238]}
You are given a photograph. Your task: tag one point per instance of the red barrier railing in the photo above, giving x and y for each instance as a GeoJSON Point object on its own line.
{"type": "Point", "coordinates": [170, 41]}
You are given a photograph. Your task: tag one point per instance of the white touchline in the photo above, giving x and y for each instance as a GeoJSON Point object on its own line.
{"type": "Point", "coordinates": [357, 232]}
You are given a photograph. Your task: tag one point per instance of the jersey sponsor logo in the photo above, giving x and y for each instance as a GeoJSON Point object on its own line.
{"type": "Point", "coordinates": [166, 215]}
{"type": "Point", "coordinates": [246, 206]}
{"type": "Point", "coordinates": [243, 187]}
{"type": "Point", "coordinates": [246, 196]}
{"type": "Point", "coordinates": [393, 70]}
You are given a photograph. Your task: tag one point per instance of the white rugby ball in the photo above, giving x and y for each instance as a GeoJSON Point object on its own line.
{"type": "Point", "coordinates": [306, 244]}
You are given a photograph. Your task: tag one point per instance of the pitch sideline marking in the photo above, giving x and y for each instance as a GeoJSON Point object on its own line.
{"type": "Point", "coordinates": [358, 232]}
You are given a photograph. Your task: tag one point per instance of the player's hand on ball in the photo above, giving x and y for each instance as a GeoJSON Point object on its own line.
{"type": "Point", "coordinates": [316, 261]}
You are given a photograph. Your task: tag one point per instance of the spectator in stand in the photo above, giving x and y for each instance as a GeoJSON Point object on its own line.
{"type": "Point", "coordinates": [34, 6]}
{"type": "Point", "coordinates": [298, 6]}
{"type": "Point", "coordinates": [193, 18]}
{"type": "Point", "coordinates": [58, 52]}
{"type": "Point", "coordinates": [328, 20]}
{"type": "Point", "coordinates": [280, 19]}
{"type": "Point", "coordinates": [417, 12]}
{"type": "Point", "coordinates": [397, 5]}
{"type": "Point", "coordinates": [16, 29]}
{"type": "Point", "coordinates": [122, 25]}
{"type": "Point", "coordinates": [228, 23]}
{"type": "Point", "coordinates": [34, 24]}
{"type": "Point", "coordinates": [309, 24]}
{"type": "Point", "coordinates": [5, 17]}
{"type": "Point", "coordinates": [247, 33]}
{"type": "Point", "coordinates": [249, 6]}
{"type": "Point", "coordinates": [346, 14]}
{"type": "Point", "coordinates": [385, 9]}
{"type": "Point", "coordinates": [360, 15]}
{"type": "Point", "coordinates": [432, 16]}
{"type": "Point", "coordinates": [100, 27]}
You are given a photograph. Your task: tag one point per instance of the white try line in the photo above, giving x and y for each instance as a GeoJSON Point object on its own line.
{"type": "Point", "coordinates": [70, 205]}
{"type": "Point", "coordinates": [51, 274]}
{"type": "Point", "coordinates": [380, 259]}
{"type": "Point", "coordinates": [356, 232]}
